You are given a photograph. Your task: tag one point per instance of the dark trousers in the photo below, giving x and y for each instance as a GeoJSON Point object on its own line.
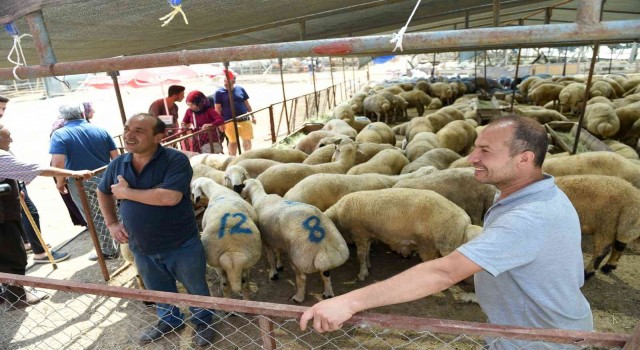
{"type": "Point", "coordinates": [29, 233]}
{"type": "Point", "coordinates": [13, 258]}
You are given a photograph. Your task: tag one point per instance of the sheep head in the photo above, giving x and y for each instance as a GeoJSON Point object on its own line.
{"type": "Point", "coordinates": [234, 178]}
{"type": "Point", "coordinates": [197, 188]}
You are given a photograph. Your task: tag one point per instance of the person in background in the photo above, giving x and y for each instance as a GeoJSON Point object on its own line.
{"type": "Point", "coordinates": [157, 108]}
{"type": "Point", "coordinates": [201, 115]}
{"type": "Point", "coordinates": [81, 145]}
{"type": "Point", "coordinates": [527, 263]}
{"type": "Point", "coordinates": [13, 258]}
{"type": "Point", "coordinates": [241, 106]}
{"type": "Point", "coordinates": [152, 184]}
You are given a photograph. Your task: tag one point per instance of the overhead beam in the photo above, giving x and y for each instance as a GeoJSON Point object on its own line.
{"type": "Point", "coordinates": [448, 40]}
{"type": "Point", "coordinates": [604, 10]}
{"type": "Point", "coordinates": [38, 30]}
{"type": "Point", "coordinates": [496, 13]}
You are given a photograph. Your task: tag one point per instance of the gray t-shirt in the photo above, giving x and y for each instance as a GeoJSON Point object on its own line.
{"type": "Point", "coordinates": [532, 259]}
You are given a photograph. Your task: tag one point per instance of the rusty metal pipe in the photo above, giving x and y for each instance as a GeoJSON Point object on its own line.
{"type": "Point", "coordinates": [589, 12]}
{"type": "Point", "coordinates": [40, 34]}
{"type": "Point", "coordinates": [461, 40]}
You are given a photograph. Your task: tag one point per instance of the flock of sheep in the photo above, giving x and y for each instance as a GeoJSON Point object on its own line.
{"type": "Point", "coordinates": [358, 180]}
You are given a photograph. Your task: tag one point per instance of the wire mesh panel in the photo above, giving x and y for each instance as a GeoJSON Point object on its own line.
{"type": "Point", "coordinates": [88, 316]}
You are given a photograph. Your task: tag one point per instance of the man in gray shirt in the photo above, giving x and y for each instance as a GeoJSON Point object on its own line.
{"type": "Point", "coordinates": [527, 263]}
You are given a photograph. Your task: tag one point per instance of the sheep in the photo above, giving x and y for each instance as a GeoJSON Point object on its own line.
{"type": "Point", "coordinates": [600, 99]}
{"type": "Point", "coordinates": [618, 91]}
{"type": "Point", "coordinates": [627, 116]}
{"type": "Point", "coordinates": [460, 163]}
{"type": "Point", "coordinates": [572, 95]}
{"type": "Point", "coordinates": [420, 144]}
{"type": "Point", "coordinates": [255, 167]}
{"type": "Point", "coordinates": [401, 129]}
{"type": "Point", "coordinates": [343, 112]}
{"type": "Point", "coordinates": [526, 83]}
{"type": "Point", "coordinates": [417, 99]}
{"type": "Point", "coordinates": [423, 86]}
{"type": "Point", "coordinates": [216, 161]}
{"type": "Point", "coordinates": [436, 103]}
{"type": "Point", "coordinates": [202, 170]}
{"type": "Point", "coordinates": [386, 162]}
{"type": "Point", "coordinates": [457, 136]}
{"type": "Point", "coordinates": [321, 155]}
{"type": "Point", "coordinates": [438, 120]}
{"type": "Point", "coordinates": [458, 185]}
{"type": "Point", "coordinates": [541, 115]}
{"type": "Point", "coordinates": [279, 155]}
{"type": "Point", "coordinates": [304, 232]}
{"type": "Point", "coordinates": [631, 84]}
{"type": "Point", "coordinates": [612, 223]}
{"type": "Point", "coordinates": [622, 149]}
{"type": "Point", "coordinates": [360, 123]}
{"type": "Point", "coordinates": [544, 93]}
{"type": "Point", "coordinates": [377, 105]}
{"type": "Point", "coordinates": [601, 120]}
{"type": "Point", "coordinates": [437, 229]}
{"type": "Point", "coordinates": [601, 88]}
{"type": "Point", "coordinates": [439, 158]}
{"type": "Point", "coordinates": [442, 91]}
{"type": "Point", "coordinates": [324, 190]}
{"type": "Point", "coordinates": [230, 237]}
{"type": "Point", "coordinates": [452, 111]}
{"type": "Point", "coordinates": [377, 133]}
{"type": "Point", "coordinates": [416, 126]}
{"type": "Point", "coordinates": [341, 127]}
{"type": "Point", "coordinates": [280, 178]}
{"type": "Point", "coordinates": [367, 150]}
{"type": "Point", "coordinates": [356, 103]}
{"type": "Point", "coordinates": [594, 163]}
{"type": "Point", "coordinates": [309, 142]}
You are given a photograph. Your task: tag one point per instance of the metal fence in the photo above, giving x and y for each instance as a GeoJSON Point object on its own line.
{"type": "Point", "coordinates": [90, 316]}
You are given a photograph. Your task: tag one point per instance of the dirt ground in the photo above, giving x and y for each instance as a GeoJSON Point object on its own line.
{"type": "Point", "coordinates": [85, 321]}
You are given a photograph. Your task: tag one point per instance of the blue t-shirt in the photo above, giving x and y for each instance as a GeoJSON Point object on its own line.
{"type": "Point", "coordinates": [532, 259]}
{"type": "Point", "coordinates": [85, 146]}
{"type": "Point", "coordinates": [239, 96]}
{"type": "Point", "coordinates": [152, 228]}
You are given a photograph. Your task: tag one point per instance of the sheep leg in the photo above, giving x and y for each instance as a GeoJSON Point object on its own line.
{"type": "Point", "coordinates": [246, 291]}
{"type": "Point", "coordinates": [612, 263]}
{"type": "Point", "coordinates": [378, 116]}
{"type": "Point", "coordinates": [301, 284]}
{"type": "Point", "coordinates": [428, 252]}
{"type": "Point", "coordinates": [279, 264]}
{"type": "Point", "coordinates": [600, 251]}
{"type": "Point", "coordinates": [419, 109]}
{"type": "Point", "coordinates": [362, 247]}
{"type": "Point", "coordinates": [328, 288]}
{"type": "Point", "coordinates": [273, 273]}
{"type": "Point", "coordinates": [224, 283]}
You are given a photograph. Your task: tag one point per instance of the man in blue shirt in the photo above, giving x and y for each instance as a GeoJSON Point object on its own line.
{"type": "Point", "coordinates": [81, 145]}
{"type": "Point", "coordinates": [158, 222]}
{"type": "Point", "coordinates": [527, 263]}
{"type": "Point", "coordinates": [241, 106]}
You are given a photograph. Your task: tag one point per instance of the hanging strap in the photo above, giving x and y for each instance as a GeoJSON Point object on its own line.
{"type": "Point", "coordinates": [177, 8]}
{"type": "Point", "coordinates": [397, 37]}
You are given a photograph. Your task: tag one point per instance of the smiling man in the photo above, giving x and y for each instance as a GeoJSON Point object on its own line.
{"type": "Point", "coordinates": [527, 263]}
{"type": "Point", "coordinates": [158, 222]}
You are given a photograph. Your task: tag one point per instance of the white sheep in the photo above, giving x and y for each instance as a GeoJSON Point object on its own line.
{"type": "Point", "coordinates": [230, 236]}
{"type": "Point", "coordinates": [321, 155]}
{"type": "Point", "coordinates": [203, 170]}
{"type": "Point", "coordinates": [377, 133]}
{"type": "Point", "coordinates": [439, 158]}
{"type": "Point", "coordinates": [437, 229]}
{"type": "Point", "coordinates": [324, 190]}
{"type": "Point", "coordinates": [457, 136]}
{"type": "Point", "coordinates": [386, 162]}
{"type": "Point", "coordinates": [215, 160]}
{"type": "Point", "coordinates": [282, 177]}
{"type": "Point", "coordinates": [420, 144]}
{"type": "Point", "coordinates": [594, 163]}
{"type": "Point", "coordinates": [301, 230]}
{"type": "Point", "coordinates": [601, 120]}
{"type": "Point", "coordinates": [609, 210]}
{"type": "Point", "coordinates": [282, 155]}
{"type": "Point", "coordinates": [341, 127]}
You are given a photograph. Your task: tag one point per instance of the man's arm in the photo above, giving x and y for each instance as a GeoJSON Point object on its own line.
{"type": "Point", "coordinates": [419, 281]}
{"type": "Point", "coordinates": [108, 209]}
{"type": "Point", "coordinates": [218, 107]}
{"type": "Point", "coordinates": [57, 160]}
{"type": "Point", "coordinates": [154, 196]}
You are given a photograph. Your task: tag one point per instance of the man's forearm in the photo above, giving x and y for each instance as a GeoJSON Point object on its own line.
{"type": "Point", "coordinates": [58, 172]}
{"type": "Point", "coordinates": [154, 196]}
{"type": "Point", "coordinates": [107, 207]}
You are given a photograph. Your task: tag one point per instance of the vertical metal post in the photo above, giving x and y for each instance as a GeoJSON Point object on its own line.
{"type": "Point", "coordinates": [433, 66]}
{"type": "Point", "coordinates": [547, 15]}
{"type": "Point", "coordinates": [40, 34]}
{"type": "Point", "coordinates": [466, 20]}
{"type": "Point", "coordinates": [273, 127]}
{"type": "Point", "coordinates": [475, 69]}
{"type": "Point", "coordinates": [610, 58]}
{"type": "Point", "coordinates": [333, 86]}
{"type": "Point", "coordinates": [92, 229]}
{"type": "Point", "coordinates": [583, 106]}
{"type": "Point", "coordinates": [266, 333]}
{"type": "Point", "coordinates": [520, 21]}
{"type": "Point", "coordinates": [589, 11]}
{"type": "Point", "coordinates": [315, 91]}
{"type": "Point", "coordinates": [344, 78]}
{"type": "Point", "coordinates": [368, 76]}
{"type": "Point", "coordinates": [353, 73]}
{"type": "Point", "coordinates": [485, 68]}
{"type": "Point", "coordinates": [513, 96]}
{"type": "Point", "coordinates": [116, 88]}
{"type": "Point", "coordinates": [564, 66]}
{"type": "Point", "coordinates": [232, 106]}
{"type": "Point", "coordinates": [496, 13]}
{"type": "Point", "coordinates": [284, 97]}
{"type": "Point", "coordinates": [303, 30]}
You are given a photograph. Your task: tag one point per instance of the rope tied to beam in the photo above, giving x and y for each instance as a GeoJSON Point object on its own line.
{"type": "Point", "coordinates": [177, 8]}
{"type": "Point", "coordinates": [397, 37]}
{"type": "Point", "coordinates": [20, 60]}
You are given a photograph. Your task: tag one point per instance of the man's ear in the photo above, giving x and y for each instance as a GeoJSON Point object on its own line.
{"type": "Point", "coordinates": [158, 137]}
{"type": "Point", "coordinates": [526, 157]}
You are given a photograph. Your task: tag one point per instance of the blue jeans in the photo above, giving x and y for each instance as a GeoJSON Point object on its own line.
{"type": "Point", "coordinates": [186, 264]}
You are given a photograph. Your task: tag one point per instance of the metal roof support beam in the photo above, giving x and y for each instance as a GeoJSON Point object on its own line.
{"type": "Point", "coordinates": [303, 30]}
{"type": "Point", "coordinates": [466, 20]}
{"type": "Point", "coordinates": [547, 15]}
{"type": "Point", "coordinates": [589, 12]}
{"type": "Point", "coordinates": [38, 30]}
{"type": "Point", "coordinates": [496, 13]}
{"type": "Point", "coordinates": [463, 40]}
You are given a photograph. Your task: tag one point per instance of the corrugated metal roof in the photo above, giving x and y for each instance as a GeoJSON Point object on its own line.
{"type": "Point", "coordinates": [91, 29]}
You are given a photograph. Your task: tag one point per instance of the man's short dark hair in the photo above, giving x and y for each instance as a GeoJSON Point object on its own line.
{"type": "Point", "coordinates": [158, 127]}
{"type": "Point", "coordinates": [175, 89]}
{"type": "Point", "coordinates": [3, 99]}
{"type": "Point", "coordinates": [528, 135]}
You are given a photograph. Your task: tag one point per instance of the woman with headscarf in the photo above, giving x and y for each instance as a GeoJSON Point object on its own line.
{"type": "Point", "coordinates": [202, 115]}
